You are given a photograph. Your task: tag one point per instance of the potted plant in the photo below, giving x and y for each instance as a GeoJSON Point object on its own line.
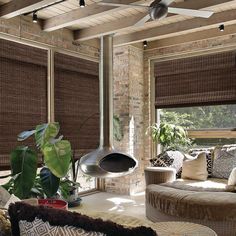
{"type": "Point", "coordinates": [172, 139]}
{"type": "Point", "coordinates": [169, 136]}
{"type": "Point", "coordinates": [25, 182]}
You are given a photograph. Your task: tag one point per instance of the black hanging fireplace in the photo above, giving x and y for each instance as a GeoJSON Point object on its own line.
{"type": "Point", "coordinates": [105, 161]}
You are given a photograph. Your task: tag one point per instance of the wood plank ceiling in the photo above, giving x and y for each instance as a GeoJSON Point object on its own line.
{"type": "Point", "coordinates": [95, 20]}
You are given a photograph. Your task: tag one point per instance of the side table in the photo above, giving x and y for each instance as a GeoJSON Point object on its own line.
{"type": "Point", "coordinates": [158, 175]}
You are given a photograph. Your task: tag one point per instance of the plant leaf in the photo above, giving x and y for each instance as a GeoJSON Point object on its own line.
{"type": "Point", "coordinates": [24, 167]}
{"type": "Point", "coordinates": [45, 132]}
{"type": "Point", "coordinates": [50, 183]}
{"type": "Point", "coordinates": [25, 134]}
{"type": "Point", "coordinates": [57, 157]}
{"type": "Point", "coordinates": [118, 133]}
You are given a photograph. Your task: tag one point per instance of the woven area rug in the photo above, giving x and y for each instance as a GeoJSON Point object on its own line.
{"type": "Point", "coordinates": [162, 228]}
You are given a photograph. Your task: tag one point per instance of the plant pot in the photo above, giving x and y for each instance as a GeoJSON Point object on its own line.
{"type": "Point", "coordinates": [55, 203]}
{"type": "Point", "coordinates": [73, 199]}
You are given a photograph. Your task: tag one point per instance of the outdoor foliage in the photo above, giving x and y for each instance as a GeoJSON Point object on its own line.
{"type": "Point", "coordinates": [170, 136]}
{"type": "Point", "coordinates": [221, 116]}
{"type": "Point", "coordinates": [205, 117]}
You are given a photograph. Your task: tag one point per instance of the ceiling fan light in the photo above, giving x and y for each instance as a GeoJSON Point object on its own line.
{"type": "Point", "coordinates": [35, 17]}
{"type": "Point", "coordinates": [145, 44]}
{"type": "Point", "coordinates": [158, 12]}
{"type": "Point", "coordinates": [221, 27]}
{"type": "Point", "coordinates": [82, 3]}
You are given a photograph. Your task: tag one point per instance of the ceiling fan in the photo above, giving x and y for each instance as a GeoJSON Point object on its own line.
{"type": "Point", "coordinates": [159, 9]}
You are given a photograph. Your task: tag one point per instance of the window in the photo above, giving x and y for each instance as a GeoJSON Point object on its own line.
{"type": "Point", "coordinates": [23, 93]}
{"type": "Point", "coordinates": [199, 93]}
{"type": "Point", "coordinates": [77, 106]}
{"type": "Point", "coordinates": [209, 125]}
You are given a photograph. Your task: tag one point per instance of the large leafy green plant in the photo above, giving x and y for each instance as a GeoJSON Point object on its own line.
{"type": "Point", "coordinates": [169, 136]}
{"type": "Point", "coordinates": [57, 159]}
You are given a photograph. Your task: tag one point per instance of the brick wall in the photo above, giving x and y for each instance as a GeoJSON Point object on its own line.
{"type": "Point", "coordinates": [22, 27]}
{"type": "Point", "coordinates": [129, 105]}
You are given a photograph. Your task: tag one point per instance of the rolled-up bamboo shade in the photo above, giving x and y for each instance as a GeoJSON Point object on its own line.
{"type": "Point", "coordinates": [77, 101]}
{"type": "Point", "coordinates": [23, 94]}
{"type": "Point", "coordinates": [196, 81]}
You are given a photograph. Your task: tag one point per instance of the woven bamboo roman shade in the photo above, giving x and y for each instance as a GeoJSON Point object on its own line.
{"type": "Point", "coordinates": [77, 101]}
{"type": "Point", "coordinates": [200, 80]}
{"type": "Point", "coordinates": [23, 96]}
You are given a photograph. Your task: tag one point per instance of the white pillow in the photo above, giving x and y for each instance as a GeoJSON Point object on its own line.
{"type": "Point", "coordinates": [232, 177]}
{"type": "Point", "coordinates": [196, 168]}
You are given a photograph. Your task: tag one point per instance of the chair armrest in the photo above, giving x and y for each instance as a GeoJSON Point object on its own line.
{"type": "Point", "coordinates": [158, 175]}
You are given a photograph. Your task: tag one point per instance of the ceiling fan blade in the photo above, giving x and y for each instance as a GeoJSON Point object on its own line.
{"type": "Point", "coordinates": [142, 21]}
{"type": "Point", "coordinates": [121, 5]}
{"type": "Point", "coordinates": [166, 2]}
{"type": "Point", "coordinates": [189, 12]}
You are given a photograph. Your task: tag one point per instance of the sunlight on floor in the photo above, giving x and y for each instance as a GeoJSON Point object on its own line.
{"type": "Point", "coordinates": [107, 202]}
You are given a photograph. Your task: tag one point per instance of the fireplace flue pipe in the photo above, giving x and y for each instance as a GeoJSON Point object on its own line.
{"type": "Point", "coordinates": [105, 161]}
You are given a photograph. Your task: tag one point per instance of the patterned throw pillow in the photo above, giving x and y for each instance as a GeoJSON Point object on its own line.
{"type": "Point", "coordinates": [209, 157]}
{"type": "Point", "coordinates": [30, 220]}
{"type": "Point", "coordinates": [38, 227]}
{"type": "Point", "coordinates": [224, 161]}
{"type": "Point", "coordinates": [172, 159]}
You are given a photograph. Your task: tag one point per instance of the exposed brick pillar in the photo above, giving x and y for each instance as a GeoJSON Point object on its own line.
{"type": "Point", "coordinates": [129, 105]}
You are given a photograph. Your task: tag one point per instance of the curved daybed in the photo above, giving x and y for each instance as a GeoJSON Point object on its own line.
{"type": "Point", "coordinates": [211, 203]}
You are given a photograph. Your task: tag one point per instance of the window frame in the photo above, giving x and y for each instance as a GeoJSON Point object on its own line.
{"type": "Point", "coordinates": [155, 118]}
{"type": "Point", "coordinates": [100, 183]}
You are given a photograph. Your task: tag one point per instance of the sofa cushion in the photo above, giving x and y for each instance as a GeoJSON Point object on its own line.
{"type": "Point", "coordinates": [232, 178]}
{"type": "Point", "coordinates": [209, 185]}
{"type": "Point", "coordinates": [224, 160]}
{"type": "Point", "coordinates": [173, 159]}
{"type": "Point", "coordinates": [195, 168]}
{"type": "Point", "coordinates": [5, 226]}
{"type": "Point", "coordinates": [209, 157]}
{"type": "Point", "coordinates": [218, 206]}
{"type": "Point", "coordinates": [26, 220]}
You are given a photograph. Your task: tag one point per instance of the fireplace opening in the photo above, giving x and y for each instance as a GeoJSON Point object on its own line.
{"type": "Point", "coordinates": [117, 162]}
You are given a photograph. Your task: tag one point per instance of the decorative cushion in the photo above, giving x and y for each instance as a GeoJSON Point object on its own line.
{"type": "Point", "coordinates": [38, 227]}
{"type": "Point", "coordinates": [209, 157]}
{"type": "Point", "coordinates": [5, 225]}
{"type": "Point", "coordinates": [173, 159]}
{"type": "Point", "coordinates": [224, 161]}
{"type": "Point", "coordinates": [26, 220]}
{"type": "Point", "coordinates": [196, 168]}
{"type": "Point", "coordinates": [4, 196]}
{"type": "Point", "coordinates": [232, 178]}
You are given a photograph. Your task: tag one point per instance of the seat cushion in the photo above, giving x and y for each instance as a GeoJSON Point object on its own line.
{"type": "Point", "coordinates": [220, 206]}
{"type": "Point", "coordinates": [209, 185]}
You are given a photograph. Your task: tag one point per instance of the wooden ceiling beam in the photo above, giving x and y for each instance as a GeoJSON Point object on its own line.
{"type": "Point", "coordinates": [81, 14]}
{"type": "Point", "coordinates": [128, 22]}
{"type": "Point", "coordinates": [19, 7]}
{"type": "Point", "coordinates": [174, 29]}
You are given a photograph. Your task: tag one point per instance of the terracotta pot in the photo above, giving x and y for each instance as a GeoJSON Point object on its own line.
{"type": "Point", "coordinates": [55, 203]}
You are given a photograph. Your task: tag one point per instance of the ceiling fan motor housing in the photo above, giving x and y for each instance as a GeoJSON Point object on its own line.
{"type": "Point", "coordinates": [158, 10]}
